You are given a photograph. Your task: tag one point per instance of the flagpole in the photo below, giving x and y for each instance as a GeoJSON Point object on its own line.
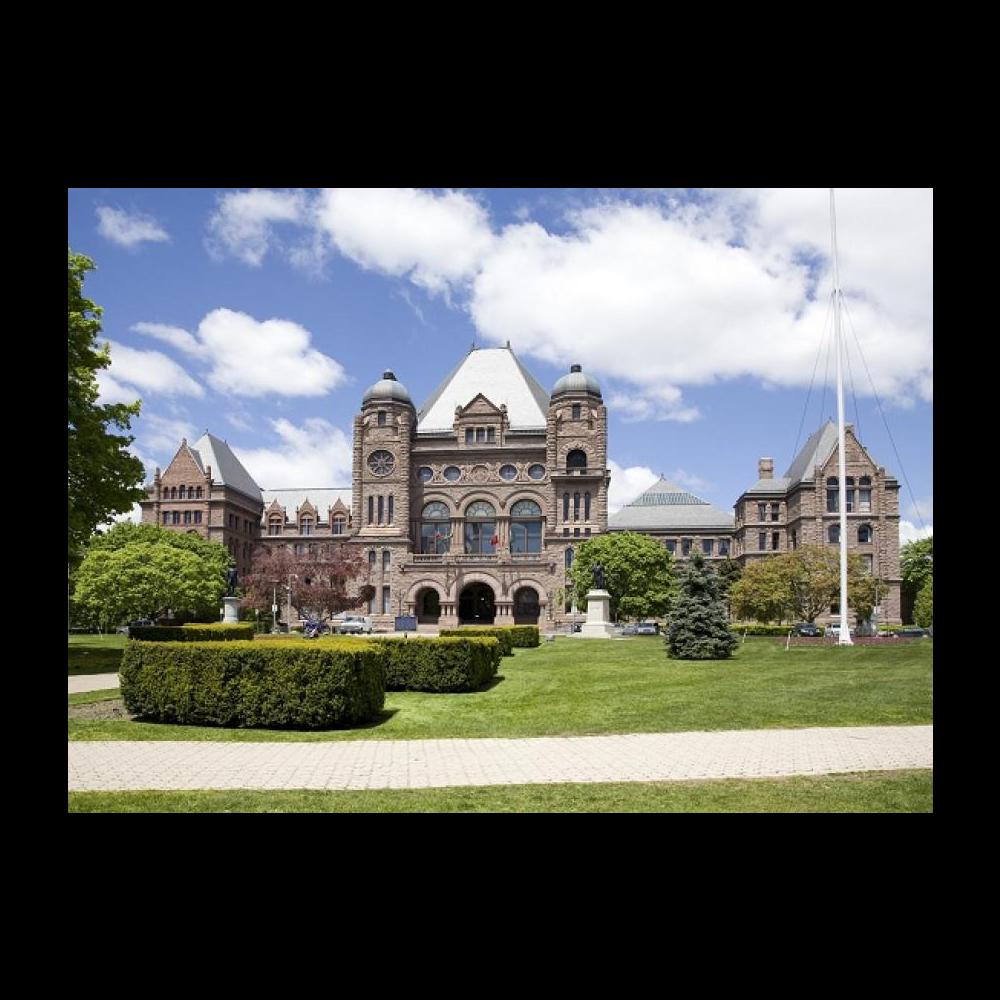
{"type": "Point", "coordinates": [844, 638]}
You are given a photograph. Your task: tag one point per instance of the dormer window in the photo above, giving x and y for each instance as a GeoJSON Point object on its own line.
{"type": "Point", "coordinates": [491, 434]}
{"type": "Point", "coordinates": [339, 524]}
{"type": "Point", "coordinates": [470, 435]}
{"type": "Point", "coordinates": [305, 525]}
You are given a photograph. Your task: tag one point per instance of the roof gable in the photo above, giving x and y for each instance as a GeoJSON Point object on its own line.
{"type": "Point", "coordinates": [226, 467]}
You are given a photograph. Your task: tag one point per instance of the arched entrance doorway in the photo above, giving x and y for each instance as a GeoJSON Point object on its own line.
{"type": "Point", "coordinates": [526, 606]}
{"type": "Point", "coordinates": [428, 607]}
{"type": "Point", "coordinates": [476, 605]}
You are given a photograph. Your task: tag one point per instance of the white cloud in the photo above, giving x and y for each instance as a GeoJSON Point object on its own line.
{"type": "Point", "coordinates": [627, 484]}
{"type": "Point", "coordinates": [690, 480]}
{"type": "Point", "coordinates": [110, 390]}
{"type": "Point", "coordinates": [134, 516]}
{"type": "Point", "coordinates": [162, 436]}
{"type": "Point", "coordinates": [243, 223]}
{"type": "Point", "coordinates": [316, 454]}
{"type": "Point", "coordinates": [658, 403]}
{"type": "Point", "coordinates": [128, 230]}
{"type": "Point", "coordinates": [922, 511]}
{"type": "Point", "coordinates": [240, 421]}
{"type": "Point", "coordinates": [252, 358]}
{"type": "Point", "coordinates": [437, 240]}
{"type": "Point", "coordinates": [172, 335]}
{"type": "Point", "coordinates": [149, 371]}
{"type": "Point", "coordinates": [909, 532]}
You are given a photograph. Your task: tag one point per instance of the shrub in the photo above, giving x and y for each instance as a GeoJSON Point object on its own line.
{"type": "Point", "coordinates": [249, 684]}
{"type": "Point", "coordinates": [504, 635]}
{"type": "Point", "coordinates": [448, 664]}
{"type": "Point", "coordinates": [771, 630]}
{"type": "Point", "coordinates": [525, 636]}
{"type": "Point", "coordinates": [218, 632]}
{"type": "Point", "coordinates": [699, 627]}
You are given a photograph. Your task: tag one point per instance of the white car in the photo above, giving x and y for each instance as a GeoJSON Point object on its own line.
{"type": "Point", "coordinates": [352, 625]}
{"type": "Point", "coordinates": [834, 630]}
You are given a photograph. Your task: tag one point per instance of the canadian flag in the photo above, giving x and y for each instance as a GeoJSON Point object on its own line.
{"type": "Point", "coordinates": [495, 541]}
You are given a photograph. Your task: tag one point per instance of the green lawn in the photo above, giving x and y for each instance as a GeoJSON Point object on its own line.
{"type": "Point", "coordinates": [877, 791]}
{"type": "Point", "coordinates": [95, 654]}
{"type": "Point", "coordinates": [86, 697]}
{"type": "Point", "coordinates": [576, 687]}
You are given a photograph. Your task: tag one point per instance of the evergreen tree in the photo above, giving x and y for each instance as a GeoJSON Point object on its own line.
{"type": "Point", "coordinates": [699, 625]}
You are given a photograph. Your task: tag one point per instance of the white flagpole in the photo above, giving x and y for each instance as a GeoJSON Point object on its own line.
{"type": "Point", "coordinates": [845, 632]}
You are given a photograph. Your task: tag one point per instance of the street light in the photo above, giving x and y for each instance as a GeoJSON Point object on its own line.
{"type": "Point", "coordinates": [274, 607]}
{"type": "Point", "coordinates": [291, 576]}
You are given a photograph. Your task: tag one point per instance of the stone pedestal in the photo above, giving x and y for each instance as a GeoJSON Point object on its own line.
{"type": "Point", "coordinates": [598, 623]}
{"type": "Point", "coordinates": [231, 615]}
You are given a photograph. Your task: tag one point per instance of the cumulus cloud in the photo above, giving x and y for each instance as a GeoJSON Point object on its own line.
{"type": "Point", "coordinates": [243, 224]}
{"type": "Point", "coordinates": [129, 229]}
{"type": "Point", "coordinates": [656, 403]}
{"type": "Point", "coordinates": [909, 532]}
{"type": "Point", "coordinates": [316, 454]}
{"type": "Point", "coordinates": [161, 436]}
{"type": "Point", "coordinates": [690, 480]}
{"type": "Point", "coordinates": [627, 484]}
{"type": "Point", "coordinates": [136, 373]}
{"type": "Point", "coordinates": [923, 510]}
{"type": "Point", "coordinates": [173, 335]}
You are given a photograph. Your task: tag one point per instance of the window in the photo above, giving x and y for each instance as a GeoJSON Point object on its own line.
{"type": "Point", "coordinates": [371, 509]}
{"type": "Point", "coordinates": [391, 495]}
{"type": "Point", "coordinates": [586, 506]}
{"type": "Point", "coordinates": [453, 473]}
{"type": "Point", "coordinates": [381, 418]}
{"type": "Point", "coordinates": [480, 529]}
{"type": "Point", "coordinates": [381, 463]}
{"type": "Point", "coordinates": [381, 509]}
{"type": "Point", "coordinates": [685, 547]}
{"type": "Point", "coordinates": [671, 546]}
{"type": "Point", "coordinates": [569, 556]}
{"type": "Point", "coordinates": [526, 527]}
{"type": "Point", "coordinates": [775, 511]}
{"type": "Point", "coordinates": [386, 605]}
{"type": "Point", "coordinates": [173, 492]}
{"type": "Point", "coordinates": [386, 559]}
{"type": "Point", "coordinates": [865, 498]}
{"type": "Point", "coordinates": [865, 533]}
{"type": "Point", "coordinates": [508, 472]}
{"type": "Point", "coordinates": [425, 473]}
{"type": "Point", "coordinates": [576, 506]}
{"type": "Point", "coordinates": [566, 531]}
{"type": "Point", "coordinates": [305, 525]}
{"type": "Point", "coordinates": [536, 471]}
{"type": "Point", "coordinates": [274, 525]}
{"type": "Point", "coordinates": [166, 517]}
{"type": "Point", "coordinates": [175, 517]}
{"type": "Point", "coordinates": [762, 512]}
{"type": "Point", "coordinates": [435, 533]}
{"type": "Point", "coordinates": [868, 563]}
{"type": "Point", "coordinates": [339, 524]}
{"type": "Point", "coordinates": [371, 558]}
{"type": "Point", "coordinates": [586, 531]}
{"type": "Point", "coordinates": [565, 506]}
{"type": "Point", "coordinates": [299, 549]}
{"type": "Point", "coordinates": [469, 435]}
{"type": "Point", "coordinates": [723, 546]}
{"type": "Point", "coordinates": [371, 605]}
{"type": "Point", "coordinates": [795, 539]}
{"type": "Point", "coordinates": [480, 433]}
{"type": "Point", "coordinates": [576, 411]}
{"type": "Point", "coordinates": [187, 517]}
{"type": "Point", "coordinates": [833, 534]}
{"type": "Point", "coordinates": [707, 545]}
{"type": "Point", "coordinates": [491, 434]}
{"type": "Point", "coordinates": [182, 493]}
{"type": "Point", "coordinates": [762, 542]}
{"type": "Point", "coordinates": [849, 487]}
{"type": "Point", "coordinates": [832, 495]}
{"type": "Point", "coordinates": [775, 540]}
{"type": "Point", "coordinates": [576, 459]}
{"type": "Point", "coordinates": [198, 493]}
{"type": "Point", "coordinates": [576, 532]}
{"type": "Point", "coordinates": [197, 517]}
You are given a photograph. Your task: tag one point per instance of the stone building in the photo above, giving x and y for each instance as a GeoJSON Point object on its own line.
{"type": "Point", "coordinates": [683, 522]}
{"type": "Point", "coordinates": [802, 507]}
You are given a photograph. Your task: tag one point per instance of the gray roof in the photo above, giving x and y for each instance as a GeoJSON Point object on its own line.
{"type": "Point", "coordinates": [388, 387]}
{"type": "Point", "coordinates": [577, 381]}
{"type": "Point", "coordinates": [226, 467]}
{"type": "Point", "coordinates": [776, 484]}
{"type": "Point", "coordinates": [321, 498]}
{"type": "Point", "coordinates": [667, 507]}
{"type": "Point", "coordinates": [814, 452]}
{"type": "Point", "coordinates": [500, 377]}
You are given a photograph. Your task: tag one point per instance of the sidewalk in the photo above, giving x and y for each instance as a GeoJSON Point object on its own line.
{"type": "Point", "coordinates": [92, 682]}
{"type": "Point", "coordinates": [112, 765]}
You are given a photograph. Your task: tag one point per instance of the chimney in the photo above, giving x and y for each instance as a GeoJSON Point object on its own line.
{"type": "Point", "coordinates": [765, 468]}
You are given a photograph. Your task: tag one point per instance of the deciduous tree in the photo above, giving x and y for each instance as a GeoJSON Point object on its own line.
{"type": "Point", "coordinates": [923, 609]}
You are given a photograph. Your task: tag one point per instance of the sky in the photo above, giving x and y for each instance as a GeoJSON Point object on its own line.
{"type": "Point", "coordinates": [262, 315]}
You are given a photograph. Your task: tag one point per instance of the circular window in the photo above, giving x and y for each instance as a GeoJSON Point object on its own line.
{"type": "Point", "coordinates": [452, 473]}
{"type": "Point", "coordinates": [425, 473]}
{"type": "Point", "coordinates": [508, 472]}
{"type": "Point", "coordinates": [381, 462]}
{"type": "Point", "coordinates": [536, 471]}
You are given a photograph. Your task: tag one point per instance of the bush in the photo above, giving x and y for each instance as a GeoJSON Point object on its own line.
{"type": "Point", "coordinates": [758, 629]}
{"type": "Point", "coordinates": [525, 636]}
{"type": "Point", "coordinates": [505, 635]}
{"type": "Point", "coordinates": [250, 684]}
{"type": "Point", "coordinates": [448, 664]}
{"type": "Point", "coordinates": [191, 633]}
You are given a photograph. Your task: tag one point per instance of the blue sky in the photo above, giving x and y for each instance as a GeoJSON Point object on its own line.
{"type": "Point", "coordinates": [262, 315]}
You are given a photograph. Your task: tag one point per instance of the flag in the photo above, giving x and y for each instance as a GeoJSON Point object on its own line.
{"type": "Point", "coordinates": [495, 541]}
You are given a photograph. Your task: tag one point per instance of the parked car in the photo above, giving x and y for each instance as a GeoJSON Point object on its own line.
{"type": "Point", "coordinates": [138, 623]}
{"type": "Point", "coordinates": [353, 625]}
{"type": "Point", "coordinates": [647, 628]}
{"type": "Point", "coordinates": [911, 632]}
{"type": "Point", "coordinates": [834, 630]}
{"type": "Point", "coordinates": [807, 629]}
{"type": "Point", "coordinates": [630, 630]}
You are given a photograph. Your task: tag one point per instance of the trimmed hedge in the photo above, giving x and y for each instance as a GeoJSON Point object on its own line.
{"type": "Point", "coordinates": [217, 632]}
{"type": "Point", "coordinates": [772, 630]}
{"type": "Point", "coordinates": [449, 664]}
{"type": "Point", "coordinates": [248, 684]}
{"type": "Point", "coordinates": [504, 635]}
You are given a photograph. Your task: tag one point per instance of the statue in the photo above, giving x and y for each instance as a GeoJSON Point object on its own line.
{"type": "Point", "coordinates": [599, 582]}
{"type": "Point", "coordinates": [231, 581]}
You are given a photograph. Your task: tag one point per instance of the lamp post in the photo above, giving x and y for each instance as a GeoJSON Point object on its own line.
{"type": "Point", "coordinates": [291, 576]}
{"type": "Point", "coordinates": [274, 607]}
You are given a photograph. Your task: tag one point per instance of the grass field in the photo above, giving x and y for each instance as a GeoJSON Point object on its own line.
{"type": "Point", "coordinates": [880, 792]}
{"type": "Point", "coordinates": [95, 654]}
{"type": "Point", "coordinates": [578, 687]}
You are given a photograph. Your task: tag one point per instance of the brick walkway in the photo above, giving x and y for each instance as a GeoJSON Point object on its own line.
{"type": "Point", "coordinates": [359, 764]}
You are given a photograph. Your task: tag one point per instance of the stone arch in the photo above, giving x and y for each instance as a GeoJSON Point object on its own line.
{"type": "Point", "coordinates": [474, 576]}
{"type": "Point", "coordinates": [424, 584]}
{"type": "Point", "coordinates": [526, 605]}
{"type": "Point", "coordinates": [432, 496]}
{"type": "Point", "coordinates": [471, 496]}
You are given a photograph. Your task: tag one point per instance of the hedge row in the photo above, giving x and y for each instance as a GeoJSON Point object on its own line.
{"type": "Point", "coordinates": [248, 684]}
{"type": "Point", "coordinates": [524, 636]}
{"type": "Point", "coordinates": [218, 632]}
{"type": "Point", "coordinates": [781, 630]}
{"type": "Point", "coordinates": [448, 664]}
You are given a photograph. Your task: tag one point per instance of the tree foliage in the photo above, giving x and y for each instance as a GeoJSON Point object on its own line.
{"type": "Point", "coordinates": [699, 623]}
{"type": "Point", "coordinates": [104, 479]}
{"type": "Point", "coordinates": [319, 579]}
{"type": "Point", "coordinates": [916, 567]}
{"type": "Point", "coordinates": [637, 568]}
{"type": "Point", "coordinates": [923, 609]}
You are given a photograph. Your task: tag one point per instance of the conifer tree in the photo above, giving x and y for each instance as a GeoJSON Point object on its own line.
{"type": "Point", "coordinates": [699, 626]}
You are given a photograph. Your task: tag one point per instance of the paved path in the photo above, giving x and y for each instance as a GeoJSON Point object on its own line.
{"type": "Point", "coordinates": [92, 682]}
{"type": "Point", "coordinates": [428, 763]}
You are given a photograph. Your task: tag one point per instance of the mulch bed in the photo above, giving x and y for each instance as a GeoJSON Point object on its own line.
{"type": "Point", "coordinates": [114, 709]}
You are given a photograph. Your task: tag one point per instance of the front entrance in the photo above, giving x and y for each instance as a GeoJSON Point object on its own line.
{"type": "Point", "coordinates": [526, 606]}
{"type": "Point", "coordinates": [476, 605]}
{"type": "Point", "coordinates": [428, 607]}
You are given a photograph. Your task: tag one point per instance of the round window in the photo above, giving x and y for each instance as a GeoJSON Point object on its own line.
{"type": "Point", "coordinates": [381, 462]}
{"type": "Point", "coordinates": [425, 473]}
{"type": "Point", "coordinates": [508, 472]}
{"type": "Point", "coordinates": [452, 473]}
{"type": "Point", "coordinates": [536, 471]}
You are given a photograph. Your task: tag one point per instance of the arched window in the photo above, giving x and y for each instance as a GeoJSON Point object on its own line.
{"type": "Point", "coordinates": [480, 529]}
{"type": "Point", "coordinates": [576, 459]}
{"type": "Point", "coordinates": [570, 556]}
{"type": "Point", "coordinates": [173, 492]}
{"type": "Point", "coordinates": [525, 527]}
{"type": "Point", "coordinates": [305, 525]}
{"type": "Point", "coordinates": [166, 517]}
{"type": "Point", "coordinates": [274, 524]}
{"type": "Point", "coordinates": [198, 493]}
{"type": "Point", "coordinates": [435, 529]}
{"type": "Point", "coordinates": [565, 506]}
{"type": "Point", "coordinates": [339, 524]}
{"type": "Point", "coordinates": [833, 534]}
{"type": "Point", "coordinates": [182, 493]}
{"type": "Point", "coordinates": [865, 533]}
{"type": "Point", "coordinates": [390, 508]}
{"type": "Point", "coordinates": [832, 495]}
{"type": "Point", "coordinates": [576, 506]}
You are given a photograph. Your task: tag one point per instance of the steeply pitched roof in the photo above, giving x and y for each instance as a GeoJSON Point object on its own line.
{"type": "Point", "coordinates": [814, 452]}
{"type": "Point", "coordinates": [226, 467]}
{"type": "Point", "coordinates": [667, 507]}
{"type": "Point", "coordinates": [500, 377]}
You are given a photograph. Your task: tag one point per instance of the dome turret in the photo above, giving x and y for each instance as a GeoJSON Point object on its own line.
{"type": "Point", "coordinates": [387, 388]}
{"type": "Point", "coordinates": [576, 381]}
